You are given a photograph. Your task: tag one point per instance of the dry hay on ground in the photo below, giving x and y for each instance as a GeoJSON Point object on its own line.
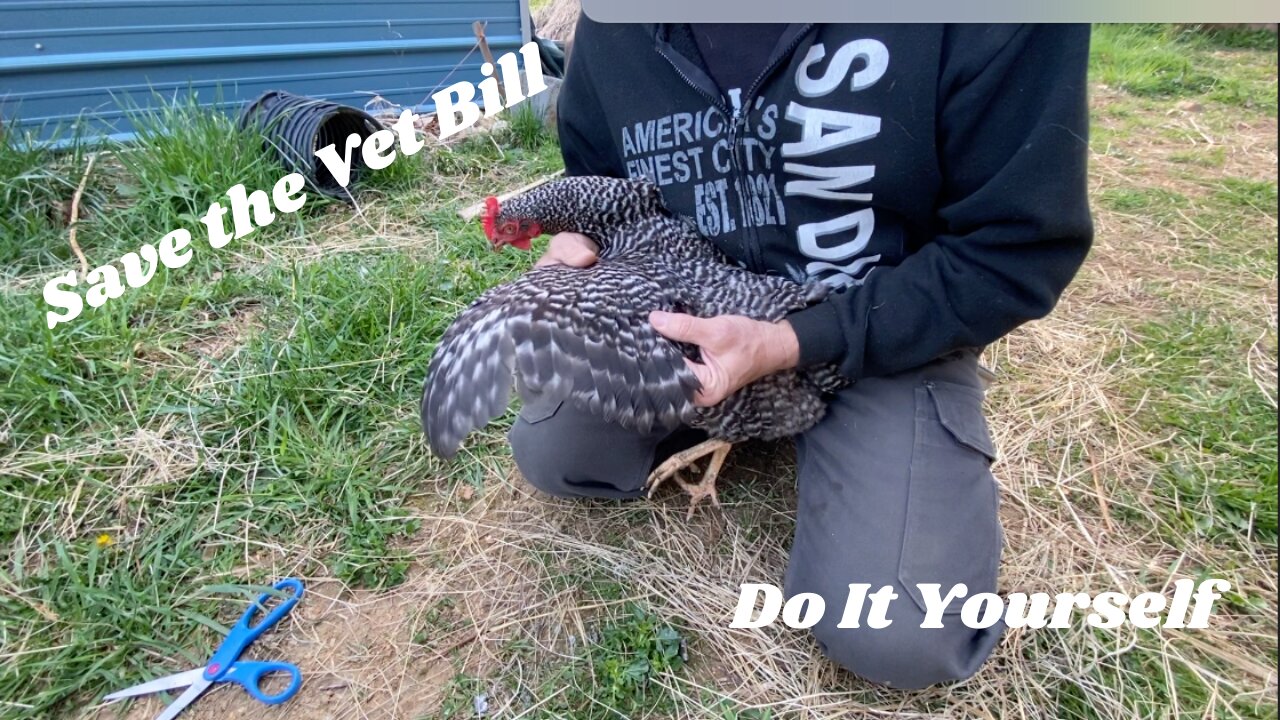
{"type": "Point", "coordinates": [557, 19]}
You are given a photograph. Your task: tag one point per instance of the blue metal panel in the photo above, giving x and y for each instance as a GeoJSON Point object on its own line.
{"type": "Point", "coordinates": [63, 59]}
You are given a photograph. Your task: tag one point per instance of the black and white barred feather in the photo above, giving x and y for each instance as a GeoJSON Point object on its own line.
{"type": "Point", "coordinates": [583, 335]}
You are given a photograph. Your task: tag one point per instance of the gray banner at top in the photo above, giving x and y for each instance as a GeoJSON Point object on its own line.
{"type": "Point", "coordinates": [1187, 11]}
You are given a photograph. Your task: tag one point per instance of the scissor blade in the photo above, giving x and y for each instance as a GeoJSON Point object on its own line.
{"type": "Point", "coordinates": [168, 682]}
{"type": "Point", "coordinates": [184, 700]}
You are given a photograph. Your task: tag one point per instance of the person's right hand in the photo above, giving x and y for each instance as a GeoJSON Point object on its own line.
{"type": "Point", "coordinates": [569, 248]}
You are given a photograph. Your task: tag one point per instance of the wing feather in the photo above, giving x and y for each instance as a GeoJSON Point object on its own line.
{"type": "Point", "coordinates": [581, 335]}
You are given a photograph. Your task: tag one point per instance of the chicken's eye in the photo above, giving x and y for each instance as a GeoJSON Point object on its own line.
{"type": "Point", "coordinates": [509, 227]}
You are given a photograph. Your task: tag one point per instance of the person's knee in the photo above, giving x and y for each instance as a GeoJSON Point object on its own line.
{"type": "Point", "coordinates": [545, 469]}
{"type": "Point", "coordinates": [907, 657]}
{"type": "Point", "coordinates": [565, 456]}
{"type": "Point", "coordinates": [543, 474]}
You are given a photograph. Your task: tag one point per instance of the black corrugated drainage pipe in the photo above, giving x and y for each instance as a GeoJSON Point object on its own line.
{"type": "Point", "coordinates": [296, 126]}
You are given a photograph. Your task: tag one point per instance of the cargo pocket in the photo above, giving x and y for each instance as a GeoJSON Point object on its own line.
{"type": "Point", "coordinates": [539, 408]}
{"type": "Point", "coordinates": [533, 445]}
{"type": "Point", "coordinates": [952, 532]}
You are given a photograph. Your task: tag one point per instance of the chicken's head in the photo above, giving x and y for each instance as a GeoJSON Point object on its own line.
{"type": "Point", "coordinates": [507, 228]}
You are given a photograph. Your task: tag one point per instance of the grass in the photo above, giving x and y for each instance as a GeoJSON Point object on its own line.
{"type": "Point", "coordinates": [34, 183]}
{"type": "Point", "coordinates": [130, 422]}
{"type": "Point", "coordinates": [1219, 471]}
{"type": "Point", "coordinates": [1156, 61]}
{"type": "Point", "coordinates": [253, 415]}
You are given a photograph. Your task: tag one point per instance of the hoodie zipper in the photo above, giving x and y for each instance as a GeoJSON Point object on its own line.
{"type": "Point", "coordinates": [753, 235]}
{"type": "Point", "coordinates": [737, 120]}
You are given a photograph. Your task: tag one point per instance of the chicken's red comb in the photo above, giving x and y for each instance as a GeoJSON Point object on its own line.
{"type": "Point", "coordinates": [490, 220]}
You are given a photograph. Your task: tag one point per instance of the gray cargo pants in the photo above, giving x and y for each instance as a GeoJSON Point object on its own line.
{"type": "Point", "coordinates": [895, 489]}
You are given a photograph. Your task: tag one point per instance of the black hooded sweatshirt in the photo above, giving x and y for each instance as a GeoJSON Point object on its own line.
{"type": "Point", "coordinates": [934, 174]}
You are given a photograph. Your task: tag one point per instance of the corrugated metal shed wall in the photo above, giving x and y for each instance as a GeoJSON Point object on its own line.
{"type": "Point", "coordinates": [61, 58]}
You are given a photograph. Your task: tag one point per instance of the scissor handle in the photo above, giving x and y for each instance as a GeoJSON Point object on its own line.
{"type": "Point", "coordinates": [244, 632]}
{"type": "Point", "coordinates": [249, 674]}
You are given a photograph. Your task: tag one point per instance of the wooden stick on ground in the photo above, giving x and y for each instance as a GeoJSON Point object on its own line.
{"type": "Point", "coordinates": [75, 217]}
{"type": "Point", "coordinates": [472, 212]}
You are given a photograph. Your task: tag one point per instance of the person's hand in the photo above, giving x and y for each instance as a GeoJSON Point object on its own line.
{"type": "Point", "coordinates": [736, 350]}
{"type": "Point", "coordinates": [572, 249]}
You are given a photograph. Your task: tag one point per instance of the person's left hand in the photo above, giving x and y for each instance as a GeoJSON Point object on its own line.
{"type": "Point", "coordinates": [736, 350]}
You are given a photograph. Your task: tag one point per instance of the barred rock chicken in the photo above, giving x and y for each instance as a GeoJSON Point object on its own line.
{"type": "Point", "coordinates": [583, 334]}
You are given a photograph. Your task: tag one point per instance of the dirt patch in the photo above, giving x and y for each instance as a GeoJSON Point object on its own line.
{"type": "Point", "coordinates": [392, 653]}
{"type": "Point", "coordinates": [355, 653]}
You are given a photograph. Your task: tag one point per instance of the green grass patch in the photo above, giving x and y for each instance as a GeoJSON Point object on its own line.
{"type": "Point", "coordinates": [1236, 231]}
{"type": "Point", "coordinates": [1258, 195]}
{"type": "Point", "coordinates": [1218, 473]}
{"type": "Point", "coordinates": [36, 189]}
{"type": "Point", "coordinates": [1156, 203]}
{"type": "Point", "coordinates": [525, 129]}
{"type": "Point", "coordinates": [1164, 62]}
{"type": "Point", "coordinates": [1140, 59]}
{"type": "Point", "coordinates": [1229, 38]}
{"type": "Point", "coordinates": [1214, 157]}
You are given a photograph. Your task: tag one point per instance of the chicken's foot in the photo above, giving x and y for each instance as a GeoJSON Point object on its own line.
{"type": "Point", "coordinates": [705, 488]}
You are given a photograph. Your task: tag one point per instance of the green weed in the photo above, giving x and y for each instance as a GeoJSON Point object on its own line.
{"type": "Point", "coordinates": [526, 129]}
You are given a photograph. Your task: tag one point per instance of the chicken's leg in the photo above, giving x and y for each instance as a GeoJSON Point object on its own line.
{"type": "Point", "coordinates": [706, 488]}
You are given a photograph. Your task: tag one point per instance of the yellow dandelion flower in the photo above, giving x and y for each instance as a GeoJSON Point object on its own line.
{"type": "Point", "coordinates": [104, 540]}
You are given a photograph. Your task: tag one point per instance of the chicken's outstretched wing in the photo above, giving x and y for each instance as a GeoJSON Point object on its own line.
{"type": "Point", "coordinates": [579, 334]}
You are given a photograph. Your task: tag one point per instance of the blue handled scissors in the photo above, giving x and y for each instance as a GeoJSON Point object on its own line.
{"type": "Point", "coordinates": [224, 666]}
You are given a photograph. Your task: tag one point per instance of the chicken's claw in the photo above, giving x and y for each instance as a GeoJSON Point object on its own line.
{"type": "Point", "coordinates": [704, 488]}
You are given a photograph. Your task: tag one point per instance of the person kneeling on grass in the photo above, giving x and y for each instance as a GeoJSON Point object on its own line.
{"type": "Point", "coordinates": [936, 175]}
